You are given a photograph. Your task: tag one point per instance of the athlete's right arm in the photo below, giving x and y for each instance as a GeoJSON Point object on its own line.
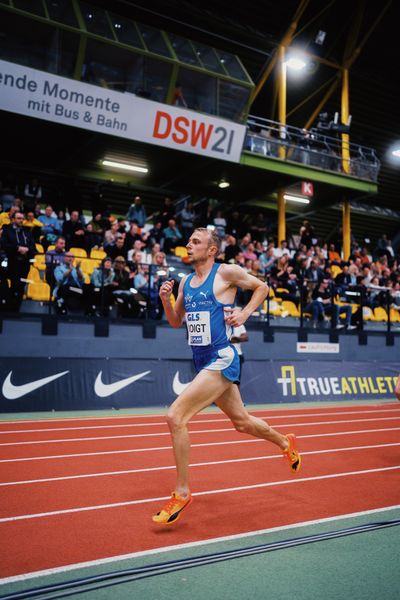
{"type": "Point", "coordinates": [176, 313]}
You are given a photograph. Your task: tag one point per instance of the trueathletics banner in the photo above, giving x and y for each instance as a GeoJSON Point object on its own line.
{"type": "Point", "coordinates": [38, 384]}
{"type": "Point", "coordinates": [42, 95]}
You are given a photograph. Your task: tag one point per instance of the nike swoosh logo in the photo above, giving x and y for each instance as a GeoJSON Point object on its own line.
{"type": "Point", "coordinates": [107, 389]}
{"type": "Point", "coordinates": [177, 386]}
{"type": "Point", "coordinates": [12, 392]}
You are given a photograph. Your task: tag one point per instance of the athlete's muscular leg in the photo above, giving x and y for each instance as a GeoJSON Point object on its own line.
{"type": "Point", "coordinates": [232, 405]}
{"type": "Point", "coordinates": [205, 388]}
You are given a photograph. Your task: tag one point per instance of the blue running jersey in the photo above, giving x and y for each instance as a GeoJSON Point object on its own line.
{"type": "Point", "coordinates": [208, 332]}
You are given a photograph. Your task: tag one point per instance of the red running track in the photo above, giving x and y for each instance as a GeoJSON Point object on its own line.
{"type": "Point", "coordinates": [89, 499]}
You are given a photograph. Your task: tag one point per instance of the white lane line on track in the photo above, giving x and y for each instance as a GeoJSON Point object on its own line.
{"type": "Point", "coordinates": [205, 493]}
{"type": "Point", "coordinates": [162, 415]}
{"type": "Point", "coordinates": [201, 464]}
{"type": "Point", "coordinates": [194, 421]}
{"type": "Point", "coordinates": [251, 441]}
{"type": "Point", "coordinates": [162, 550]}
{"type": "Point", "coordinates": [191, 431]}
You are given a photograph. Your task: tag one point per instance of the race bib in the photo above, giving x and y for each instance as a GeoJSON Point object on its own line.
{"type": "Point", "coordinates": [198, 327]}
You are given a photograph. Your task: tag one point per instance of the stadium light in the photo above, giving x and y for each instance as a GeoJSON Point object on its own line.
{"type": "Point", "coordinates": [124, 166]}
{"type": "Point", "coordinates": [290, 198]}
{"type": "Point", "coordinates": [296, 62]}
{"type": "Point", "coordinates": [223, 184]}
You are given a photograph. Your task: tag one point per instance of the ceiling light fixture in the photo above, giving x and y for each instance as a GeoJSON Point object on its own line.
{"type": "Point", "coordinates": [396, 152]}
{"type": "Point", "coordinates": [124, 166]}
{"type": "Point", "coordinates": [290, 198]}
{"type": "Point", "coordinates": [223, 184]}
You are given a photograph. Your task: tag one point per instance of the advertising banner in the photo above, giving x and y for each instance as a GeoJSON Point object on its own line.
{"type": "Point", "coordinates": [42, 95]}
{"type": "Point", "coordinates": [37, 384]}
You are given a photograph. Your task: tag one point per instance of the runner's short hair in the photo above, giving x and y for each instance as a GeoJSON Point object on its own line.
{"type": "Point", "coordinates": [213, 238]}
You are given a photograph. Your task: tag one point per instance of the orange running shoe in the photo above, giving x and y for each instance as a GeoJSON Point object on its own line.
{"type": "Point", "coordinates": [171, 512]}
{"type": "Point", "coordinates": [292, 454]}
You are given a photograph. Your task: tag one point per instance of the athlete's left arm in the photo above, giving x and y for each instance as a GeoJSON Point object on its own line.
{"type": "Point", "coordinates": [238, 277]}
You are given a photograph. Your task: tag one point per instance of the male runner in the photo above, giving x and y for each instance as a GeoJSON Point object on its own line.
{"type": "Point", "coordinates": [207, 298]}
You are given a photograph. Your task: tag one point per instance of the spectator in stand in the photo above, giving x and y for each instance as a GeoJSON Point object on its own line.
{"type": "Point", "coordinates": [99, 224]}
{"type": "Point", "coordinates": [102, 287]}
{"type": "Point", "coordinates": [8, 193]}
{"type": "Point", "coordinates": [54, 258]}
{"type": "Point", "coordinates": [231, 249]}
{"type": "Point", "coordinates": [6, 217]}
{"type": "Point", "coordinates": [68, 292]}
{"type": "Point", "coordinates": [111, 235]}
{"type": "Point", "coordinates": [74, 231]}
{"type": "Point", "coordinates": [135, 262]}
{"type": "Point", "coordinates": [156, 234]}
{"type": "Point", "coordinates": [235, 225]}
{"type": "Point", "coordinates": [92, 238]}
{"type": "Point", "coordinates": [219, 223]}
{"type": "Point", "coordinates": [50, 229]}
{"type": "Point", "coordinates": [32, 194]}
{"type": "Point", "coordinates": [118, 248]}
{"type": "Point", "coordinates": [33, 224]}
{"type": "Point", "coordinates": [187, 220]}
{"type": "Point", "coordinates": [137, 212]}
{"type": "Point", "coordinates": [306, 234]}
{"type": "Point", "coordinates": [60, 219]}
{"type": "Point", "coordinates": [19, 247]}
{"type": "Point", "coordinates": [133, 234]}
{"type": "Point", "coordinates": [323, 294]}
{"type": "Point", "coordinates": [139, 246]}
{"type": "Point", "coordinates": [249, 253]}
{"type": "Point", "coordinates": [333, 255]}
{"type": "Point", "coordinates": [314, 273]}
{"type": "Point", "coordinates": [167, 212]}
{"type": "Point", "coordinates": [159, 260]}
{"type": "Point", "coordinates": [268, 259]}
{"type": "Point", "coordinates": [173, 236]}
{"type": "Point", "coordinates": [258, 227]}
{"type": "Point", "coordinates": [282, 249]}
{"type": "Point", "coordinates": [122, 226]}
{"type": "Point", "coordinates": [178, 99]}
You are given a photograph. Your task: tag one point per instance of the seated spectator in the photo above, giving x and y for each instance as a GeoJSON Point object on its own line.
{"type": "Point", "coordinates": [333, 255]}
{"type": "Point", "coordinates": [129, 302]}
{"type": "Point", "coordinates": [33, 224]}
{"type": "Point", "coordinates": [249, 253]}
{"type": "Point", "coordinates": [102, 287]}
{"type": "Point", "coordinates": [306, 234]}
{"type": "Point", "coordinates": [99, 224]}
{"type": "Point", "coordinates": [314, 273]}
{"type": "Point", "coordinates": [6, 217]}
{"type": "Point", "coordinates": [159, 259]}
{"type": "Point", "coordinates": [60, 219]}
{"type": "Point", "coordinates": [74, 231]}
{"type": "Point", "coordinates": [111, 235]}
{"type": "Point", "coordinates": [50, 229]}
{"type": "Point", "coordinates": [156, 234]}
{"type": "Point", "coordinates": [133, 234]}
{"type": "Point", "coordinates": [118, 248]}
{"type": "Point", "coordinates": [323, 294]}
{"type": "Point", "coordinates": [54, 258]}
{"type": "Point", "coordinates": [93, 239]}
{"type": "Point", "coordinates": [139, 246]}
{"type": "Point", "coordinates": [282, 249]}
{"type": "Point", "coordinates": [19, 247]}
{"type": "Point", "coordinates": [231, 249]}
{"type": "Point", "coordinates": [173, 236]}
{"type": "Point", "coordinates": [137, 212]}
{"type": "Point", "coordinates": [68, 293]}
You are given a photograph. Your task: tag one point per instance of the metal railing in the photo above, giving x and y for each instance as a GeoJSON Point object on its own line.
{"type": "Point", "coordinates": [310, 147]}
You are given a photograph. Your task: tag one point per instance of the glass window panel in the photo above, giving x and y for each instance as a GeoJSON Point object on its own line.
{"type": "Point", "coordinates": [232, 65]}
{"type": "Point", "coordinates": [199, 91]}
{"type": "Point", "coordinates": [124, 71]}
{"type": "Point", "coordinates": [233, 100]}
{"type": "Point", "coordinates": [126, 31]}
{"type": "Point", "coordinates": [38, 45]}
{"type": "Point", "coordinates": [209, 59]}
{"type": "Point", "coordinates": [154, 40]}
{"type": "Point", "coordinates": [33, 6]}
{"type": "Point", "coordinates": [96, 20]}
{"type": "Point", "coordinates": [183, 49]}
{"type": "Point", "coordinates": [62, 11]}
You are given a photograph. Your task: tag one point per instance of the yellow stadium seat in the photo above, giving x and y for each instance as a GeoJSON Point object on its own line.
{"type": "Point", "coordinates": [380, 314]}
{"type": "Point", "coordinates": [40, 262]}
{"type": "Point", "coordinates": [181, 251]}
{"type": "Point", "coordinates": [89, 265]}
{"type": "Point", "coordinates": [51, 247]}
{"type": "Point", "coordinates": [335, 270]}
{"type": "Point", "coordinates": [291, 308]}
{"type": "Point", "coordinates": [368, 314]}
{"type": "Point", "coordinates": [275, 309]}
{"type": "Point", "coordinates": [39, 291]}
{"type": "Point", "coordinates": [97, 253]}
{"type": "Point", "coordinates": [78, 252]}
{"type": "Point", "coordinates": [33, 274]}
{"type": "Point", "coordinates": [39, 248]}
{"type": "Point", "coordinates": [394, 315]}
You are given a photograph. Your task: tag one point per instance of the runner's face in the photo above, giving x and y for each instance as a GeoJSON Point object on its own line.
{"type": "Point", "coordinates": [198, 247]}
